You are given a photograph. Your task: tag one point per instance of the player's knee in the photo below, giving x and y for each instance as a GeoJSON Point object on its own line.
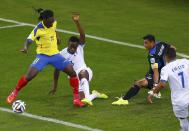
{"type": "Point", "coordinates": [32, 73]}
{"type": "Point", "coordinates": [70, 71]}
{"type": "Point", "coordinates": [138, 83]}
{"type": "Point", "coordinates": [83, 74]}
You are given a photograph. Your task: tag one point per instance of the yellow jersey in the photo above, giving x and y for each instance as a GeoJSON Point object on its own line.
{"type": "Point", "coordinates": [45, 39]}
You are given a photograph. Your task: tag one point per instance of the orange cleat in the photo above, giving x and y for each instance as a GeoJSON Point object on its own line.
{"type": "Point", "coordinates": [78, 103]}
{"type": "Point", "coordinates": [12, 97]}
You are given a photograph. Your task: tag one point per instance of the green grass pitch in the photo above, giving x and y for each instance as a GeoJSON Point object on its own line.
{"type": "Point", "coordinates": [115, 67]}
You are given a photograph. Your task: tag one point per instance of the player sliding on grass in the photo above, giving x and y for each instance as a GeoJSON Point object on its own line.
{"type": "Point", "coordinates": [75, 53]}
{"type": "Point", "coordinates": [46, 38]}
{"type": "Point", "coordinates": [156, 61]}
{"type": "Point", "coordinates": [176, 72]}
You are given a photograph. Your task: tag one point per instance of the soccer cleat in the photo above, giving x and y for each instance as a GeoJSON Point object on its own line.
{"type": "Point", "coordinates": [87, 102]}
{"type": "Point", "coordinates": [12, 97]}
{"type": "Point", "coordinates": [120, 101]}
{"type": "Point", "coordinates": [100, 95]}
{"type": "Point", "coordinates": [78, 103]}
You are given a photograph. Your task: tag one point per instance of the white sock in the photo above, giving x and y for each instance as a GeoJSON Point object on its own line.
{"type": "Point", "coordinates": [184, 124]}
{"type": "Point", "coordinates": [84, 84]}
{"type": "Point", "coordinates": [92, 97]}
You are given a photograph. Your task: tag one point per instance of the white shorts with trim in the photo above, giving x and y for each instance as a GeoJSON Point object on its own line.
{"type": "Point", "coordinates": [90, 72]}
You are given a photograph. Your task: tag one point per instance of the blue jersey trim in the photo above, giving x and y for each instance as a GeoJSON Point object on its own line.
{"type": "Point", "coordinates": [163, 81]}
{"type": "Point", "coordinates": [39, 26]}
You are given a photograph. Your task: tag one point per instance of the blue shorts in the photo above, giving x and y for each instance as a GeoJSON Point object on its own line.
{"type": "Point", "coordinates": [58, 61]}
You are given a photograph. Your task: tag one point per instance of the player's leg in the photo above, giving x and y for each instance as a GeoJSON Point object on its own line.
{"type": "Point", "coordinates": [184, 124]}
{"type": "Point", "coordinates": [84, 84]}
{"type": "Point", "coordinates": [84, 91]}
{"type": "Point", "coordinates": [74, 83]}
{"type": "Point", "coordinates": [135, 88]}
{"type": "Point", "coordinates": [181, 112]}
{"type": "Point", "coordinates": [60, 63]}
{"type": "Point", "coordinates": [85, 77]}
{"type": "Point", "coordinates": [131, 92]}
{"type": "Point", "coordinates": [34, 69]}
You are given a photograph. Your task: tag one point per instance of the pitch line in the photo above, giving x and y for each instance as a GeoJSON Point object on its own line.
{"type": "Point", "coordinates": [11, 26]}
{"type": "Point", "coordinates": [90, 36]}
{"type": "Point", "coordinates": [52, 120]}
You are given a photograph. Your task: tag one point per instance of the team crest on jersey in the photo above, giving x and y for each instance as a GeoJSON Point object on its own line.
{"type": "Point", "coordinates": [152, 60]}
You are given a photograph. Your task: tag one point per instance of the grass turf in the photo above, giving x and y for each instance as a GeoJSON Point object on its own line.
{"type": "Point", "coordinates": [115, 67]}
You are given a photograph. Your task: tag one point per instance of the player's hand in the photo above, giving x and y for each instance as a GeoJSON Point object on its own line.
{"type": "Point", "coordinates": [149, 99]}
{"type": "Point", "coordinates": [24, 50]}
{"type": "Point", "coordinates": [52, 91]}
{"type": "Point", "coordinates": [76, 17]}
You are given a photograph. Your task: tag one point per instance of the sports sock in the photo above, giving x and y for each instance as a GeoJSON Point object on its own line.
{"type": "Point", "coordinates": [184, 124]}
{"type": "Point", "coordinates": [132, 92]}
{"type": "Point", "coordinates": [92, 96]}
{"type": "Point", "coordinates": [21, 83]}
{"type": "Point", "coordinates": [85, 86]}
{"type": "Point", "coordinates": [74, 83]}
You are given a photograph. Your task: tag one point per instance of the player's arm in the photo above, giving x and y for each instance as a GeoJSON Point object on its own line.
{"type": "Point", "coordinates": [55, 81]}
{"type": "Point", "coordinates": [154, 66]}
{"type": "Point", "coordinates": [58, 38]}
{"type": "Point", "coordinates": [155, 90]}
{"type": "Point", "coordinates": [162, 84]}
{"type": "Point", "coordinates": [80, 29]}
{"type": "Point", "coordinates": [156, 75]}
{"type": "Point", "coordinates": [27, 43]}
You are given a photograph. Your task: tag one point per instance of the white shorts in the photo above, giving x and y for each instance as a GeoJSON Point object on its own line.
{"type": "Point", "coordinates": [88, 70]}
{"type": "Point", "coordinates": [181, 111]}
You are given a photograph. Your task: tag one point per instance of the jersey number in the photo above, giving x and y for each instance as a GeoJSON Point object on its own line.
{"type": "Point", "coordinates": [181, 74]}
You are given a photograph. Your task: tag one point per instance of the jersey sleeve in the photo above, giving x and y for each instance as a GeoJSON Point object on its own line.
{"type": "Point", "coordinates": [33, 35]}
{"type": "Point", "coordinates": [154, 61]}
{"type": "Point", "coordinates": [164, 75]}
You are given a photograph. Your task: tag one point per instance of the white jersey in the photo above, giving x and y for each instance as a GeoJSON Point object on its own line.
{"type": "Point", "coordinates": [177, 74]}
{"type": "Point", "coordinates": [77, 58]}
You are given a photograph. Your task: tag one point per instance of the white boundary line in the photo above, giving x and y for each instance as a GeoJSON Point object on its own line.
{"type": "Point", "coordinates": [11, 26]}
{"type": "Point", "coordinates": [52, 120]}
{"type": "Point", "coordinates": [90, 36]}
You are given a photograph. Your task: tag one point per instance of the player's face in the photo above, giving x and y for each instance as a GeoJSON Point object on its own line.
{"type": "Point", "coordinates": [48, 22]}
{"type": "Point", "coordinates": [148, 44]}
{"type": "Point", "coordinates": [72, 47]}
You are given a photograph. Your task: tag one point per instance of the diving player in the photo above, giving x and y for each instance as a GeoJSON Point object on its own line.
{"type": "Point", "coordinates": [46, 38]}
{"type": "Point", "coordinates": [176, 73]}
{"type": "Point", "coordinates": [75, 53]}
{"type": "Point", "coordinates": [156, 62]}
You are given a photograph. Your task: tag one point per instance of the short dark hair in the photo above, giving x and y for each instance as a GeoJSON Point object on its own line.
{"type": "Point", "coordinates": [149, 37]}
{"type": "Point", "coordinates": [74, 39]}
{"type": "Point", "coordinates": [44, 14]}
{"type": "Point", "coordinates": [171, 53]}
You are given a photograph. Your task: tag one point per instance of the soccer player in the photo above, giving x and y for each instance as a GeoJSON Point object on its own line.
{"type": "Point", "coordinates": [156, 62]}
{"type": "Point", "coordinates": [176, 73]}
{"type": "Point", "coordinates": [75, 53]}
{"type": "Point", "coordinates": [46, 39]}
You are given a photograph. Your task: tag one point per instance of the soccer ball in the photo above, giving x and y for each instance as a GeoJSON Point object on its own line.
{"type": "Point", "coordinates": [18, 106]}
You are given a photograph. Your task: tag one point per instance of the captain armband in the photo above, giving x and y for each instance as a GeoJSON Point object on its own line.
{"type": "Point", "coordinates": [154, 66]}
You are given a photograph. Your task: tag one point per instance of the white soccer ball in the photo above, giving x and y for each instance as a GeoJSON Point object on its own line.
{"type": "Point", "coordinates": [18, 106]}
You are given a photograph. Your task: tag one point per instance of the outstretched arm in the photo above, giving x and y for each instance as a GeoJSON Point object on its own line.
{"type": "Point", "coordinates": [55, 82]}
{"type": "Point", "coordinates": [26, 46]}
{"type": "Point", "coordinates": [81, 31]}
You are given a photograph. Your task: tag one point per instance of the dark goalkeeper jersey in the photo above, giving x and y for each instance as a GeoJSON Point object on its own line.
{"type": "Point", "coordinates": [156, 56]}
